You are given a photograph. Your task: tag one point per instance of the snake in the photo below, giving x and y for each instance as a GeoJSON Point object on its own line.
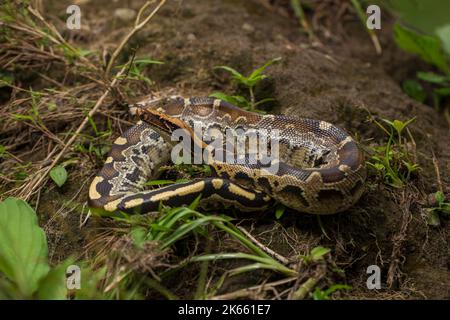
{"type": "Point", "coordinates": [320, 168]}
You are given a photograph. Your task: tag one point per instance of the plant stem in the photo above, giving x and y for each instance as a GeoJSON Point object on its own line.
{"type": "Point", "coordinates": [363, 17]}
{"type": "Point", "coordinates": [137, 26]}
{"type": "Point", "coordinates": [252, 98]}
{"type": "Point", "coordinates": [305, 289]}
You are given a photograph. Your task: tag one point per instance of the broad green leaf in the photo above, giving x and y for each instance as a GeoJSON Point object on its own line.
{"type": "Point", "coordinates": [414, 90]}
{"type": "Point", "coordinates": [443, 33]}
{"type": "Point", "coordinates": [442, 92]}
{"type": "Point", "coordinates": [432, 77]}
{"type": "Point", "coordinates": [54, 285]}
{"type": "Point", "coordinates": [427, 47]}
{"type": "Point", "coordinates": [424, 15]}
{"type": "Point", "coordinates": [59, 175]}
{"type": "Point", "coordinates": [23, 246]}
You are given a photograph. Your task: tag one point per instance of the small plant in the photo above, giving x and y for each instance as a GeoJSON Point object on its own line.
{"type": "Point", "coordinates": [24, 266]}
{"type": "Point", "coordinates": [394, 160]}
{"type": "Point", "coordinates": [279, 211]}
{"type": "Point", "coordinates": [59, 175]}
{"type": "Point", "coordinates": [319, 294]}
{"type": "Point", "coordinates": [315, 255]}
{"type": "Point", "coordinates": [96, 144]}
{"type": "Point", "coordinates": [136, 69]}
{"type": "Point", "coordinates": [430, 49]}
{"type": "Point", "coordinates": [441, 207]}
{"type": "Point", "coordinates": [25, 272]}
{"type": "Point", "coordinates": [249, 82]}
{"type": "Point", "coordinates": [177, 223]}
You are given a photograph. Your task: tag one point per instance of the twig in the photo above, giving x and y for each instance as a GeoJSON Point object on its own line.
{"type": "Point", "coordinates": [438, 173]}
{"type": "Point", "coordinates": [59, 38]}
{"type": "Point", "coordinates": [247, 291]}
{"type": "Point", "coordinates": [372, 34]}
{"type": "Point", "coordinates": [267, 250]}
{"type": "Point", "coordinates": [75, 135]}
{"type": "Point", "coordinates": [300, 14]}
{"type": "Point", "coordinates": [137, 26]}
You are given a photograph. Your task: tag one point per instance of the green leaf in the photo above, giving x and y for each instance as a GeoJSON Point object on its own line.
{"type": "Point", "coordinates": [59, 175]}
{"type": "Point", "coordinates": [432, 77]}
{"type": "Point", "coordinates": [20, 117]}
{"type": "Point", "coordinates": [433, 218]}
{"type": "Point", "coordinates": [337, 287]}
{"type": "Point", "coordinates": [318, 252]}
{"type": "Point", "coordinates": [195, 203]}
{"type": "Point", "coordinates": [2, 150]}
{"type": "Point", "coordinates": [326, 294]}
{"type": "Point", "coordinates": [6, 79]}
{"type": "Point", "coordinates": [439, 196]}
{"type": "Point", "coordinates": [23, 249]}
{"type": "Point", "coordinates": [445, 208]}
{"type": "Point", "coordinates": [263, 101]}
{"type": "Point", "coordinates": [138, 234]}
{"type": "Point", "coordinates": [415, 90]}
{"type": "Point", "coordinates": [236, 74]}
{"type": "Point", "coordinates": [442, 92]}
{"type": "Point", "coordinates": [261, 69]}
{"type": "Point", "coordinates": [279, 211]}
{"type": "Point", "coordinates": [234, 100]}
{"type": "Point", "coordinates": [54, 285]}
{"type": "Point", "coordinates": [158, 182]}
{"type": "Point", "coordinates": [427, 47]}
{"type": "Point", "coordinates": [443, 33]}
{"type": "Point", "coordinates": [319, 295]}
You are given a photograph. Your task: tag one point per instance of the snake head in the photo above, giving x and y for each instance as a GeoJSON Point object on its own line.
{"type": "Point", "coordinates": [165, 115]}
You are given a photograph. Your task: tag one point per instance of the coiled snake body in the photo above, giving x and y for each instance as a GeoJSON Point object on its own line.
{"type": "Point", "coordinates": [320, 169]}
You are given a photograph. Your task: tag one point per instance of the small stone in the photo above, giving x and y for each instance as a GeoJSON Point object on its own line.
{"type": "Point", "coordinates": [125, 14]}
{"type": "Point", "coordinates": [248, 27]}
{"type": "Point", "coordinates": [191, 37]}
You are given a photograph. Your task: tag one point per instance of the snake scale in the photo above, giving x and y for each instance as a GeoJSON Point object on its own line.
{"type": "Point", "coordinates": [320, 169]}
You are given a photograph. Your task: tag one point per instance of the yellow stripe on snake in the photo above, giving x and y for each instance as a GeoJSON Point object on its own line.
{"type": "Point", "coordinates": [320, 169]}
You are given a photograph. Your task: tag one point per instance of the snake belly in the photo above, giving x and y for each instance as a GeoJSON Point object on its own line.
{"type": "Point", "coordinates": [320, 169]}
